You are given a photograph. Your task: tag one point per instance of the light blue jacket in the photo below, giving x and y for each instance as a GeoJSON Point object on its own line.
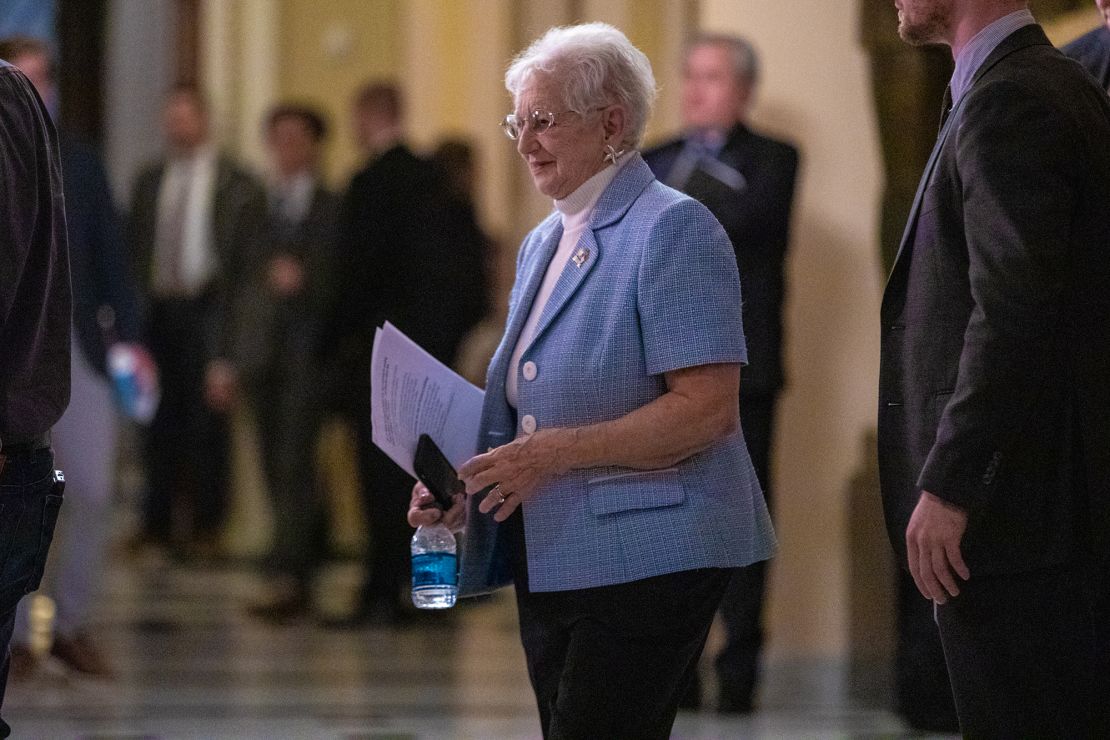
{"type": "Point", "coordinates": [657, 290]}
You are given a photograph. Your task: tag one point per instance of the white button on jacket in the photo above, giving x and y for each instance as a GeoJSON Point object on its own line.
{"type": "Point", "coordinates": [529, 370]}
{"type": "Point", "coordinates": [528, 424]}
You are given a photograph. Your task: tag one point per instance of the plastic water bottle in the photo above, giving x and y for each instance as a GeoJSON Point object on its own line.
{"type": "Point", "coordinates": [435, 574]}
{"type": "Point", "coordinates": [135, 401]}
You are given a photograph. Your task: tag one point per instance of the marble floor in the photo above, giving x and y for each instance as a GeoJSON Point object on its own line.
{"type": "Point", "coordinates": [191, 664]}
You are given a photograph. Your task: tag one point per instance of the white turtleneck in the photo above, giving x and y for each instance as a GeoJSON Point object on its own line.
{"type": "Point", "coordinates": [575, 210]}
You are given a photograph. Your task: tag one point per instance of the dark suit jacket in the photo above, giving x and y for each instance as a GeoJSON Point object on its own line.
{"type": "Point", "coordinates": [34, 266]}
{"type": "Point", "coordinates": [1092, 50]}
{"type": "Point", "coordinates": [98, 260]}
{"type": "Point", "coordinates": [239, 227]}
{"type": "Point", "coordinates": [995, 371]}
{"type": "Point", "coordinates": [271, 326]}
{"type": "Point", "coordinates": [757, 220]}
{"type": "Point", "coordinates": [402, 259]}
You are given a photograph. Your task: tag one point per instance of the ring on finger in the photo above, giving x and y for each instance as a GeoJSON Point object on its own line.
{"type": "Point", "coordinates": [500, 494]}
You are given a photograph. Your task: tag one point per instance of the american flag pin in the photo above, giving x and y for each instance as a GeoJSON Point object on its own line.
{"type": "Point", "coordinates": [580, 257]}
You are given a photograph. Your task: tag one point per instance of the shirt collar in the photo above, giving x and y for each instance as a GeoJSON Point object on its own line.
{"type": "Point", "coordinates": [203, 156]}
{"type": "Point", "coordinates": [576, 207]}
{"type": "Point", "coordinates": [708, 140]}
{"type": "Point", "coordinates": [972, 56]}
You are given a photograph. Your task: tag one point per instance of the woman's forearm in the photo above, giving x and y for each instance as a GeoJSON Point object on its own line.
{"type": "Point", "coordinates": [699, 408]}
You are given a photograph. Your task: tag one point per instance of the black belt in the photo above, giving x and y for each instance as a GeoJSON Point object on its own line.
{"type": "Point", "coordinates": [40, 442]}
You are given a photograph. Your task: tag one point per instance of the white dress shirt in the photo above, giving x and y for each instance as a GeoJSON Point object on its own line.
{"type": "Point", "coordinates": [184, 226]}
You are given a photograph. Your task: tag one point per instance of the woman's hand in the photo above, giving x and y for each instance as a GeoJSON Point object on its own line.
{"type": "Point", "coordinates": [517, 469]}
{"type": "Point", "coordinates": [698, 409]}
{"type": "Point", "coordinates": [423, 510]}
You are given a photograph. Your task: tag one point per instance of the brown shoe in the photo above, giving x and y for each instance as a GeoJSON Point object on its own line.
{"type": "Point", "coordinates": [23, 664]}
{"type": "Point", "coordinates": [79, 653]}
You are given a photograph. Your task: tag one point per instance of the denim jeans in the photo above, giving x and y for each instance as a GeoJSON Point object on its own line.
{"type": "Point", "coordinates": [29, 502]}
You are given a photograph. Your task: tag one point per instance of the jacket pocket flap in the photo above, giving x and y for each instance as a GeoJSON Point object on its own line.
{"type": "Point", "coordinates": [648, 489]}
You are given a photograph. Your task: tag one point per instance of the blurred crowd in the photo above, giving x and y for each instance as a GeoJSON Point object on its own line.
{"type": "Point", "coordinates": [227, 289]}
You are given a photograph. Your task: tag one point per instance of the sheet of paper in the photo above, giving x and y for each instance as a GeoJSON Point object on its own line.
{"type": "Point", "coordinates": [412, 393]}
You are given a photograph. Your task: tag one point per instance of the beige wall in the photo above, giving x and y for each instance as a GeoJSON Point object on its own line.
{"type": "Point", "coordinates": [815, 92]}
{"type": "Point", "coordinates": [326, 50]}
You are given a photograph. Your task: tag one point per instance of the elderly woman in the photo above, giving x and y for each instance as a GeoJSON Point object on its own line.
{"type": "Point", "coordinates": [623, 491]}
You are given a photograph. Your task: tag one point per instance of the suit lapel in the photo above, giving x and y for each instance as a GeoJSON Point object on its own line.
{"type": "Point", "coordinates": [615, 201]}
{"type": "Point", "coordinates": [523, 307]}
{"type": "Point", "coordinates": [922, 185]}
{"type": "Point", "coordinates": [583, 258]}
{"type": "Point", "coordinates": [737, 151]}
{"type": "Point", "coordinates": [1019, 39]}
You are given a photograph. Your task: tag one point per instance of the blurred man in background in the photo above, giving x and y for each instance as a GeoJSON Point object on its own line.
{"type": "Point", "coordinates": [280, 350]}
{"type": "Point", "coordinates": [196, 226]}
{"type": "Point", "coordinates": [105, 312]}
{"type": "Point", "coordinates": [1092, 49]}
{"type": "Point", "coordinates": [35, 311]}
{"type": "Point", "coordinates": [747, 180]}
{"type": "Point", "coordinates": [399, 261]}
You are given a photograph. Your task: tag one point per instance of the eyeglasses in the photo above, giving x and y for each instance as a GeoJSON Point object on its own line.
{"type": "Point", "coordinates": [538, 120]}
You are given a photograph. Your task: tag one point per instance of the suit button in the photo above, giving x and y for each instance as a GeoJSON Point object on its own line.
{"type": "Point", "coordinates": [529, 370]}
{"type": "Point", "coordinates": [528, 423]}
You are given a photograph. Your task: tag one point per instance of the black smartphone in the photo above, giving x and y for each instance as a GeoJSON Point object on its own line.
{"type": "Point", "coordinates": [436, 473]}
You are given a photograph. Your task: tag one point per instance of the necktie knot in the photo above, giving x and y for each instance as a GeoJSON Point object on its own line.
{"type": "Point", "coordinates": [946, 105]}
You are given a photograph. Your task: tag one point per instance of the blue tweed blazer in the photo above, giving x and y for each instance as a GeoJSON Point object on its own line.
{"type": "Point", "coordinates": [656, 290]}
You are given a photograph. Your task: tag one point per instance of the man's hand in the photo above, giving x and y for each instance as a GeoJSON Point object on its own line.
{"type": "Point", "coordinates": [221, 386]}
{"type": "Point", "coordinates": [286, 276]}
{"type": "Point", "coordinates": [933, 543]}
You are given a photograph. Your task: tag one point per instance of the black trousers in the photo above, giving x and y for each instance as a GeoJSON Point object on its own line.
{"type": "Point", "coordinates": [613, 662]}
{"type": "Point", "coordinates": [289, 409]}
{"type": "Point", "coordinates": [923, 691]}
{"type": "Point", "coordinates": [1027, 654]}
{"type": "Point", "coordinates": [742, 607]}
{"type": "Point", "coordinates": [188, 446]}
{"type": "Point", "coordinates": [386, 490]}
{"type": "Point", "coordinates": [29, 506]}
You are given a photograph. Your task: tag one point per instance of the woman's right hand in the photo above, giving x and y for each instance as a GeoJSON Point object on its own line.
{"type": "Point", "coordinates": [423, 510]}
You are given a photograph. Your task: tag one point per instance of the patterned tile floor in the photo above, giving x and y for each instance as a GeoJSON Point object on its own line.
{"type": "Point", "coordinates": [191, 665]}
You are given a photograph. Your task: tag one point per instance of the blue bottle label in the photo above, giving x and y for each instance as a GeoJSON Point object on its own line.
{"type": "Point", "coordinates": [434, 569]}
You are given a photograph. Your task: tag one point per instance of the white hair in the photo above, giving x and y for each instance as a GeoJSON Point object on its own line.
{"type": "Point", "coordinates": [597, 66]}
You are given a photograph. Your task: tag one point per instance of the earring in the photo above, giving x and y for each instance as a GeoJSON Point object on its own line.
{"type": "Point", "coordinates": [611, 154]}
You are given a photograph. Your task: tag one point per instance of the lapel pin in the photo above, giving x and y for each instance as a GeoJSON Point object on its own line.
{"type": "Point", "coordinates": [580, 257]}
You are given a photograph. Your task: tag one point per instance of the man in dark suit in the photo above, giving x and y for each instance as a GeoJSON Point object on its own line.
{"type": "Point", "coordinates": [1092, 49]}
{"type": "Point", "coordinates": [34, 342]}
{"type": "Point", "coordinates": [401, 260]}
{"type": "Point", "coordinates": [994, 436]}
{"type": "Point", "coordinates": [196, 225]}
{"type": "Point", "coordinates": [280, 348]}
{"type": "Point", "coordinates": [105, 311]}
{"type": "Point", "coordinates": [747, 181]}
